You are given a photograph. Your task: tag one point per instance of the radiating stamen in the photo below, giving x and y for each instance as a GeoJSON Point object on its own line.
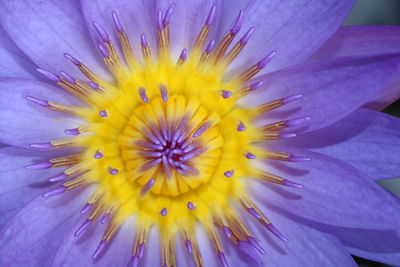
{"type": "Point", "coordinates": [83, 228]}
{"type": "Point", "coordinates": [112, 171]}
{"type": "Point", "coordinates": [100, 248]}
{"type": "Point", "coordinates": [279, 102]}
{"type": "Point", "coordinates": [228, 38]}
{"type": "Point", "coordinates": [103, 113]}
{"type": "Point", "coordinates": [164, 92]}
{"type": "Point", "coordinates": [182, 57]}
{"type": "Point", "coordinates": [49, 75]}
{"type": "Point", "coordinates": [253, 70]}
{"type": "Point", "coordinates": [250, 155]}
{"type": "Point", "coordinates": [148, 186]}
{"type": "Point", "coordinates": [57, 178]}
{"type": "Point", "coordinates": [204, 127]}
{"type": "Point", "coordinates": [251, 88]}
{"type": "Point", "coordinates": [41, 145]}
{"type": "Point", "coordinates": [72, 131]}
{"type": "Point", "coordinates": [163, 212]}
{"type": "Point", "coordinates": [102, 33]}
{"type": "Point", "coordinates": [190, 205]}
{"type": "Point", "coordinates": [235, 51]}
{"type": "Point", "coordinates": [98, 155]}
{"type": "Point", "coordinates": [229, 173]}
{"type": "Point", "coordinates": [40, 166]}
{"type": "Point", "coordinates": [226, 94]}
{"type": "Point", "coordinates": [205, 29]}
{"type": "Point", "coordinates": [54, 192]}
{"type": "Point", "coordinates": [241, 127]}
{"type": "Point", "coordinates": [143, 95]}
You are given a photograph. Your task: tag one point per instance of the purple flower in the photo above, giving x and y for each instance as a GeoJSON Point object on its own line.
{"type": "Point", "coordinates": [179, 133]}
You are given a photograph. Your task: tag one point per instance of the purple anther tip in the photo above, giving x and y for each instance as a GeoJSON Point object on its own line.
{"type": "Point", "coordinates": [292, 98]}
{"type": "Point", "coordinates": [86, 208]}
{"type": "Point", "coordinates": [275, 231]}
{"type": "Point", "coordinates": [253, 212]}
{"type": "Point", "coordinates": [183, 55]}
{"type": "Point", "coordinates": [68, 77]}
{"type": "Point", "coordinates": [190, 205]}
{"type": "Point", "coordinates": [286, 135]}
{"type": "Point", "coordinates": [54, 192]}
{"type": "Point", "coordinates": [229, 173]}
{"type": "Point", "coordinates": [72, 59]}
{"type": "Point", "coordinates": [99, 250]}
{"type": "Point", "coordinates": [98, 155]}
{"type": "Point", "coordinates": [83, 228]}
{"type": "Point", "coordinates": [102, 33]}
{"type": "Point", "coordinates": [247, 36]}
{"type": "Point", "coordinates": [143, 95]}
{"type": "Point", "coordinates": [294, 158]}
{"type": "Point", "coordinates": [227, 231]}
{"type": "Point", "coordinates": [58, 178]}
{"type": "Point", "coordinates": [143, 40]}
{"type": "Point", "coordinates": [168, 14]}
{"type": "Point", "coordinates": [163, 92]}
{"type": "Point", "coordinates": [103, 113]}
{"type": "Point", "coordinates": [41, 145]}
{"type": "Point", "coordinates": [256, 85]}
{"type": "Point", "coordinates": [105, 218]}
{"type": "Point", "coordinates": [112, 171]}
{"type": "Point", "coordinates": [163, 212]}
{"type": "Point", "coordinates": [250, 155]}
{"type": "Point", "coordinates": [297, 122]}
{"type": "Point", "coordinates": [148, 186]}
{"type": "Point", "coordinates": [71, 131]}
{"type": "Point", "coordinates": [141, 250]}
{"type": "Point", "coordinates": [226, 94]}
{"type": "Point", "coordinates": [241, 127]}
{"type": "Point", "coordinates": [41, 102]}
{"type": "Point", "coordinates": [210, 46]}
{"type": "Point", "coordinates": [103, 51]}
{"type": "Point", "coordinates": [94, 85]}
{"type": "Point", "coordinates": [222, 259]}
{"type": "Point", "coordinates": [159, 20]}
{"type": "Point", "coordinates": [40, 166]}
{"type": "Point", "coordinates": [211, 16]}
{"type": "Point", "coordinates": [135, 261]}
{"type": "Point", "coordinates": [204, 127]}
{"type": "Point", "coordinates": [291, 184]}
{"type": "Point", "coordinates": [256, 245]}
{"type": "Point", "coordinates": [117, 22]}
{"type": "Point", "coordinates": [267, 59]}
{"type": "Point", "coordinates": [238, 24]}
{"type": "Point", "coordinates": [49, 75]}
{"type": "Point", "coordinates": [188, 245]}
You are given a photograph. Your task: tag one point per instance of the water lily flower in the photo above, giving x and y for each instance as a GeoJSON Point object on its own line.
{"type": "Point", "coordinates": [196, 133]}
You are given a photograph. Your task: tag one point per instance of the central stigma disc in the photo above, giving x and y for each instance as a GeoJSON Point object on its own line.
{"type": "Point", "coordinates": [174, 143]}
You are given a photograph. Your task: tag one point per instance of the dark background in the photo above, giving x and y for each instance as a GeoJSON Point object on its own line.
{"type": "Point", "coordinates": [374, 12]}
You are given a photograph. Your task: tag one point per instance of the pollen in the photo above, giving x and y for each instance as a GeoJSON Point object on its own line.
{"type": "Point", "coordinates": [168, 142]}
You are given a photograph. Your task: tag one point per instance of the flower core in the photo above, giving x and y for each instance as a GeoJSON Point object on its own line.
{"type": "Point", "coordinates": [168, 142]}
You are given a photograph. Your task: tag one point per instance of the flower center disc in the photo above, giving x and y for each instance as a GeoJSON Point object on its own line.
{"type": "Point", "coordinates": [175, 141]}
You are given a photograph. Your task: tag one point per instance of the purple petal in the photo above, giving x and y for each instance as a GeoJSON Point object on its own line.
{"type": "Point", "coordinates": [334, 193]}
{"type": "Point", "coordinates": [23, 122]}
{"type": "Point", "coordinates": [367, 41]}
{"type": "Point", "coordinates": [382, 246]}
{"type": "Point", "coordinates": [78, 251]}
{"type": "Point", "coordinates": [296, 29]}
{"type": "Point", "coordinates": [45, 30]}
{"type": "Point", "coordinates": [326, 85]}
{"type": "Point", "coordinates": [32, 237]}
{"type": "Point", "coordinates": [14, 63]}
{"type": "Point", "coordinates": [136, 17]}
{"type": "Point", "coordinates": [18, 185]}
{"type": "Point", "coordinates": [366, 139]}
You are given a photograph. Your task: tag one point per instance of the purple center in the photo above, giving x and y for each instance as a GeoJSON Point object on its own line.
{"type": "Point", "coordinates": [171, 147]}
